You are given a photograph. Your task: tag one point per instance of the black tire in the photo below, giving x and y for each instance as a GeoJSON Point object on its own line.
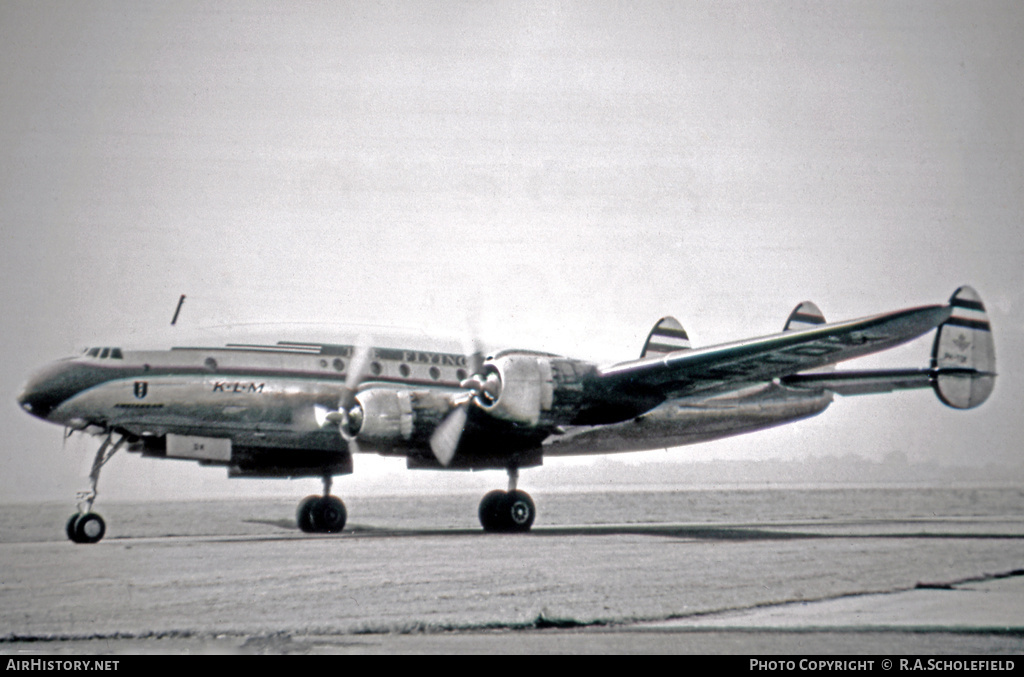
{"type": "Point", "coordinates": [328, 515]}
{"type": "Point", "coordinates": [490, 510]}
{"type": "Point", "coordinates": [89, 528]}
{"type": "Point", "coordinates": [304, 514]}
{"type": "Point", "coordinates": [69, 528]}
{"type": "Point", "coordinates": [518, 511]}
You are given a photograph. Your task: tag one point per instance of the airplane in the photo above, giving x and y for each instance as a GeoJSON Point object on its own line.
{"type": "Point", "coordinates": [299, 409]}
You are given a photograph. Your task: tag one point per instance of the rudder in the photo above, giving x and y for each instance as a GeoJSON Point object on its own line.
{"type": "Point", "coordinates": [666, 337]}
{"type": "Point", "coordinates": [804, 316]}
{"type": "Point", "coordinates": [963, 355]}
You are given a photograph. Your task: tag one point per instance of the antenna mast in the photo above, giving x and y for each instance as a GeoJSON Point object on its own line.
{"type": "Point", "coordinates": [177, 310]}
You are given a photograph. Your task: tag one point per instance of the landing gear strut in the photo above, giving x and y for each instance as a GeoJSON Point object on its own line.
{"type": "Point", "coordinates": [322, 514]}
{"type": "Point", "coordinates": [86, 526]}
{"type": "Point", "coordinates": [507, 511]}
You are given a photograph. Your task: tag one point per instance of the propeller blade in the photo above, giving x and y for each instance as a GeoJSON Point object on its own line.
{"type": "Point", "coordinates": [475, 359]}
{"type": "Point", "coordinates": [445, 439]}
{"type": "Point", "coordinates": [472, 346]}
{"type": "Point", "coordinates": [357, 368]}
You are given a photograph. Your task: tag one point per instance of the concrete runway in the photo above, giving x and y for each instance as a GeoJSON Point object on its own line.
{"type": "Point", "coordinates": [928, 586]}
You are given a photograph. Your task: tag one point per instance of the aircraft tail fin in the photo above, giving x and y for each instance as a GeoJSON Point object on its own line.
{"type": "Point", "coordinates": [963, 355]}
{"type": "Point", "coordinates": [804, 316]}
{"type": "Point", "coordinates": [666, 337]}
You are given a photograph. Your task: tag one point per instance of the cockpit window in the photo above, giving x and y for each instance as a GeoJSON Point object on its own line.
{"type": "Point", "coordinates": [112, 353]}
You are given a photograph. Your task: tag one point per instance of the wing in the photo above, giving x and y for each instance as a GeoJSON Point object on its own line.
{"type": "Point", "coordinates": [734, 366]}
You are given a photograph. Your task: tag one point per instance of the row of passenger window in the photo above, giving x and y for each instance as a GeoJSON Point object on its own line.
{"type": "Point", "coordinates": [339, 365]}
{"type": "Point", "coordinates": [376, 369]}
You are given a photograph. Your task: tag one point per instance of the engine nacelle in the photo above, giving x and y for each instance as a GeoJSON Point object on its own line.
{"type": "Point", "coordinates": [382, 414]}
{"type": "Point", "coordinates": [527, 388]}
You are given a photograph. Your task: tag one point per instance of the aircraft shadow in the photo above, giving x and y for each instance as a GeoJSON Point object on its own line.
{"type": "Point", "coordinates": [690, 532]}
{"type": "Point", "coordinates": [680, 531]}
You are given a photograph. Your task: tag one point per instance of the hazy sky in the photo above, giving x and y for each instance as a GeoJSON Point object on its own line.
{"type": "Point", "coordinates": [556, 175]}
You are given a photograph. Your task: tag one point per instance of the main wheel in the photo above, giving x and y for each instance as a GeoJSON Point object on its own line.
{"type": "Point", "coordinates": [87, 528]}
{"type": "Point", "coordinates": [489, 511]}
{"type": "Point", "coordinates": [518, 511]}
{"type": "Point", "coordinates": [502, 511]}
{"type": "Point", "coordinates": [304, 516]}
{"type": "Point", "coordinates": [328, 515]}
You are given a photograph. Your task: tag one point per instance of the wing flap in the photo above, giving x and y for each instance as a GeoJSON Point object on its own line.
{"type": "Point", "coordinates": [735, 365]}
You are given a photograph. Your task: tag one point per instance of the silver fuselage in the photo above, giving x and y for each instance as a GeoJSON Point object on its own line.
{"type": "Point", "coordinates": [260, 402]}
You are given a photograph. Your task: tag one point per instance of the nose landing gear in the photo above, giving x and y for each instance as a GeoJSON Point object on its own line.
{"type": "Point", "coordinates": [86, 526]}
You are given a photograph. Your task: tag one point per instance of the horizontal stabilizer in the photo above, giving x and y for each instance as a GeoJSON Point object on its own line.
{"type": "Point", "coordinates": [666, 337]}
{"type": "Point", "coordinates": [963, 362]}
{"type": "Point", "coordinates": [964, 353]}
{"type": "Point", "coordinates": [862, 382]}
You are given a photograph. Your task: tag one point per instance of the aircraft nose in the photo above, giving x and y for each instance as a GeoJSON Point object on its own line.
{"type": "Point", "coordinates": [31, 399]}
{"type": "Point", "coordinates": [47, 389]}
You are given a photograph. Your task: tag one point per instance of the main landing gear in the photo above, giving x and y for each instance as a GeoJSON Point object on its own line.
{"type": "Point", "coordinates": [509, 511]}
{"type": "Point", "coordinates": [322, 514]}
{"type": "Point", "coordinates": [86, 526]}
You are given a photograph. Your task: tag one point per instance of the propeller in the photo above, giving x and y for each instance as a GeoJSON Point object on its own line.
{"type": "Point", "coordinates": [348, 415]}
{"type": "Point", "coordinates": [445, 438]}
{"type": "Point", "coordinates": [476, 388]}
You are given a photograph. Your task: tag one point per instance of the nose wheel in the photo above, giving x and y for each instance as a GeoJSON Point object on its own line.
{"type": "Point", "coordinates": [86, 527]}
{"type": "Point", "coordinates": [511, 511]}
{"type": "Point", "coordinates": [321, 514]}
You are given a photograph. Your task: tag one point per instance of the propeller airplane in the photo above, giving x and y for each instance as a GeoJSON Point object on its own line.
{"type": "Point", "coordinates": [297, 409]}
